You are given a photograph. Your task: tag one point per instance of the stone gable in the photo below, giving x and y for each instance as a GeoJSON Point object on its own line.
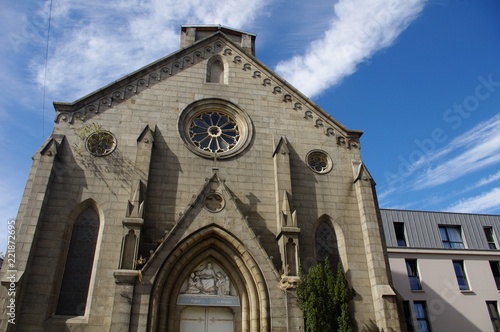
{"type": "Point", "coordinates": [205, 155]}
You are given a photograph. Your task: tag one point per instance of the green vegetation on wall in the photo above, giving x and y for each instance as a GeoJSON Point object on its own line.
{"type": "Point", "coordinates": [324, 298]}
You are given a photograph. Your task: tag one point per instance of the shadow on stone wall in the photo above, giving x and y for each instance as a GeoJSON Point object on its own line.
{"type": "Point", "coordinates": [161, 195]}
{"type": "Point", "coordinates": [304, 201]}
{"type": "Point", "coordinates": [260, 227]}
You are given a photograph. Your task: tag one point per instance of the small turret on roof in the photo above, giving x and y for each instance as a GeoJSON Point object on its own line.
{"type": "Point", "coordinates": [192, 33]}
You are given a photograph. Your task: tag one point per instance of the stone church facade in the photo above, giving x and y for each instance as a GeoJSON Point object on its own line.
{"type": "Point", "coordinates": [187, 196]}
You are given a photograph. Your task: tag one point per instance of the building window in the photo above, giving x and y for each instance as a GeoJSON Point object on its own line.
{"type": "Point", "coordinates": [411, 268]}
{"type": "Point", "coordinates": [326, 244]}
{"type": "Point", "coordinates": [488, 231]}
{"type": "Point", "coordinates": [101, 143]}
{"type": "Point", "coordinates": [495, 317]}
{"type": "Point", "coordinates": [407, 312]}
{"type": "Point", "coordinates": [460, 274]}
{"type": "Point", "coordinates": [319, 161]}
{"type": "Point", "coordinates": [495, 269]}
{"type": "Point", "coordinates": [452, 237]}
{"type": "Point", "coordinates": [421, 316]}
{"type": "Point", "coordinates": [215, 128]}
{"type": "Point", "coordinates": [399, 228]}
{"type": "Point", "coordinates": [216, 71]}
{"type": "Point", "coordinates": [214, 132]}
{"type": "Point", "coordinates": [79, 262]}
{"type": "Point", "coordinates": [214, 202]}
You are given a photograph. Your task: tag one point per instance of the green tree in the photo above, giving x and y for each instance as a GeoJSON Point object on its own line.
{"type": "Point", "coordinates": [343, 294]}
{"type": "Point", "coordinates": [344, 320]}
{"type": "Point", "coordinates": [324, 299]}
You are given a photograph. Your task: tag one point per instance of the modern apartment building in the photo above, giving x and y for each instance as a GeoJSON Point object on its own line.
{"type": "Point", "coordinates": [446, 268]}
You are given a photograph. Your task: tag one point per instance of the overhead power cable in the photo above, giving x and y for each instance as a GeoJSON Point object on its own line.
{"type": "Point", "coordinates": [45, 69]}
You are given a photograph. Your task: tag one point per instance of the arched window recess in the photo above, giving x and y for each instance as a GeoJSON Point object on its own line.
{"type": "Point", "coordinates": [77, 274]}
{"type": "Point", "coordinates": [217, 70]}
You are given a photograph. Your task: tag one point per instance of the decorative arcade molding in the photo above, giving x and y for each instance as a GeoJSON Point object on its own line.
{"type": "Point", "coordinates": [136, 82]}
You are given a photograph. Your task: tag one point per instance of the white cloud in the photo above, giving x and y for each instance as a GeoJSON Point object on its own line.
{"type": "Point", "coordinates": [387, 193]}
{"type": "Point", "coordinates": [96, 42]}
{"type": "Point", "coordinates": [487, 202]}
{"type": "Point", "coordinates": [467, 154]}
{"type": "Point", "coordinates": [473, 150]}
{"type": "Point", "coordinates": [487, 180]}
{"type": "Point", "coordinates": [20, 35]}
{"type": "Point", "coordinates": [358, 30]}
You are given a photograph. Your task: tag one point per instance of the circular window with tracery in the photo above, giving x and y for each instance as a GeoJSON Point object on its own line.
{"type": "Point", "coordinates": [214, 202]}
{"type": "Point", "coordinates": [100, 143]}
{"type": "Point", "coordinates": [214, 131]}
{"type": "Point", "coordinates": [319, 161]}
{"type": "Point", "coordinates": [215, 128]}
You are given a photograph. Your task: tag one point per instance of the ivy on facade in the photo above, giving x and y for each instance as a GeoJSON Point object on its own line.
{"type": "Point", "coordinates": [324, 298]}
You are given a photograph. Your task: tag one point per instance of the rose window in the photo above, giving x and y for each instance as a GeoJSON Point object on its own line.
{"type": "Point", "coordinates": [214, 132]}
{"type": "Point", "coordinates": [319, 162]}
{"type": "Point", "coordinates": [101, 143]}
{"type": "Point", "coordinates": [215, 128]}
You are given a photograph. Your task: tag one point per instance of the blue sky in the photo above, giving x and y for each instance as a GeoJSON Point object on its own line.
{"type": "Point", "coordinates": [420, 78]}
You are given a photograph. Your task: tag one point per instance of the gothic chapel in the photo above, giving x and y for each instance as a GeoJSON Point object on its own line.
{"type": "Point", "coordinates": [187, 195]}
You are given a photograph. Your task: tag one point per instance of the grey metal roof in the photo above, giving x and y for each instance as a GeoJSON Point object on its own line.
{"type": "Point", "coordinates": [422, 228]}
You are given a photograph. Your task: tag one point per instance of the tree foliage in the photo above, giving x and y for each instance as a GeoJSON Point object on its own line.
{"type": "Point", "coordinates": [324, 299]}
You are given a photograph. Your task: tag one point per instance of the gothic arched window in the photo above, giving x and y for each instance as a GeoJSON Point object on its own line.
{"type": "Point", "coordinates": [79, 263]}
{"type": "Point", "coordinates": [215, 70]}
{"type": "Point", "coordinates": [326, 244]}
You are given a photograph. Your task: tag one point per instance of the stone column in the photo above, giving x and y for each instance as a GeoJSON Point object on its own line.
{"type": "Point", "coordinates": [44, 170]}
{"type": "Point", "coordinates": [287, 230]}
{"type": "Point", "coordinates": [125, 278]}
{"type": "Point", "coordinates": [124, 297]}
{"type": "Point", "coordinates": [287, 233]}
{"type": "Point", "coordinates": [132, 224]}
{"type": "Point", "coordinates": [384, 297]}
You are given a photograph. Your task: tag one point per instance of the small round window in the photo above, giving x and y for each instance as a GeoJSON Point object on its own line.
{"type": "Point", "coordinates": [214, 202]}
{"type": "Point", "coordinates": [100, 143]}
{"type": "Point", "coordinates": [215, 128]}
{"type": "Point", "coordinates": [319, 161]}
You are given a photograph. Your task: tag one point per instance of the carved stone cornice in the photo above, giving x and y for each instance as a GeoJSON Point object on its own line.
{"type": "Point", "coordinates": [311, 113]}
{"type": "Point", "coordinates": [218, 43]}
{"type": "Point", "coordinates": [142, 79]}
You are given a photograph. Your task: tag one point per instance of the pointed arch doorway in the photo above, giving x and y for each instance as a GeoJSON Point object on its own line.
{"type": "Point", "coordinates": [245, 305]}
{"type": "Point", "coordinates": [209, 300]}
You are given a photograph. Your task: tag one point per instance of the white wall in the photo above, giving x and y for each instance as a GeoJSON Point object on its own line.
{"type": "Point", "coordinates": [448, 308]}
